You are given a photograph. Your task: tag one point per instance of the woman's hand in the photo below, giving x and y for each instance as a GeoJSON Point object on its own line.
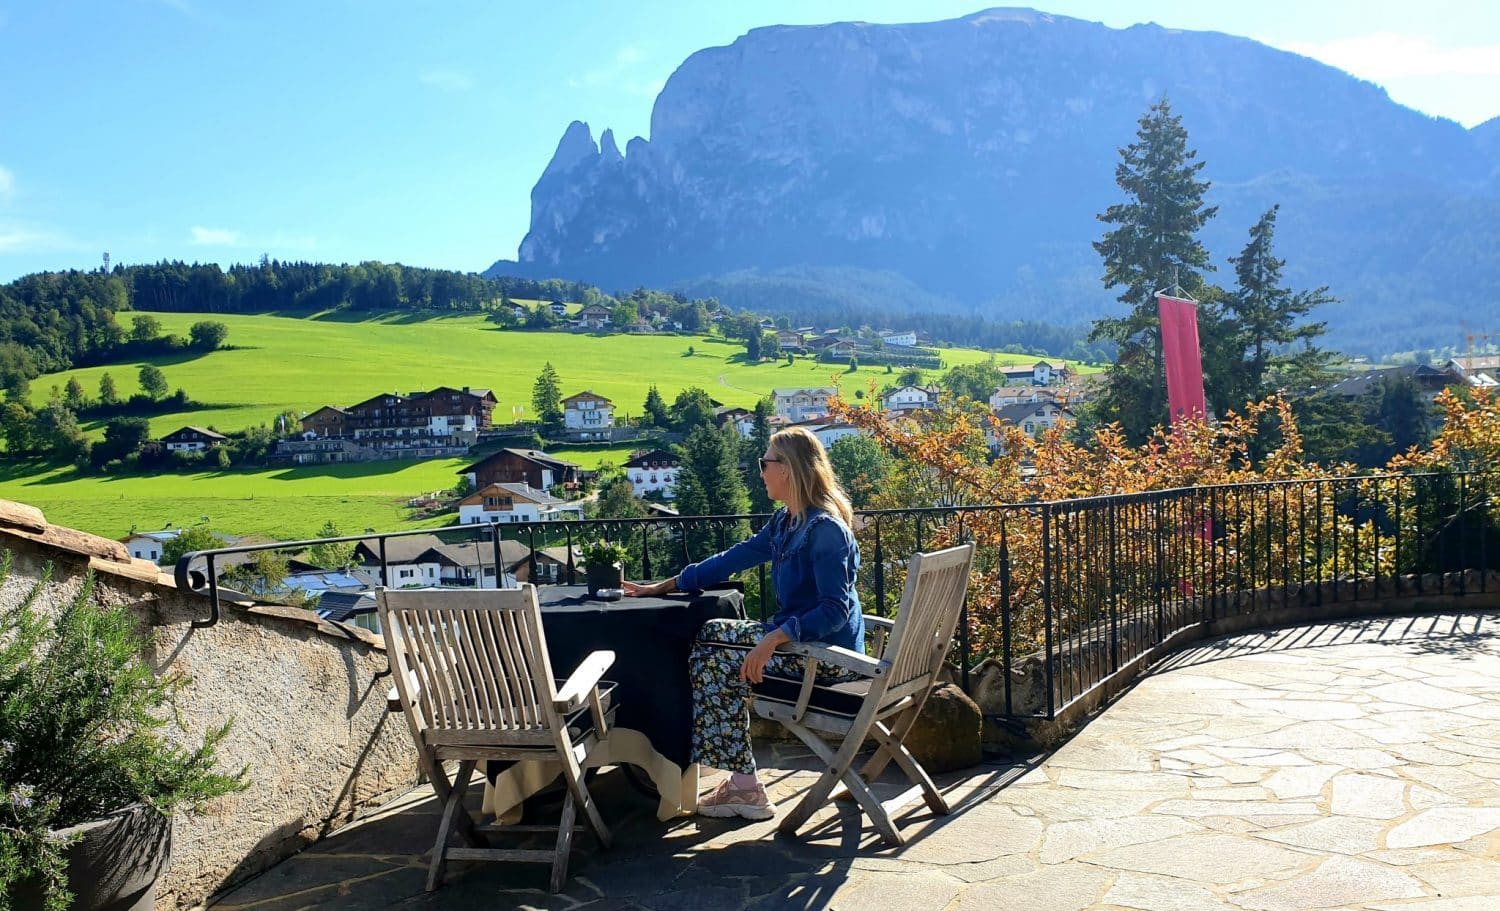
{"type": "Point", "coordinates": [753, 668]}
{"type": "Point", "coordinates": [649, 589]}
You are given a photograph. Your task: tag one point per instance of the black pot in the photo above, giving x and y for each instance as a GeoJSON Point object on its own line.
{"type": "Point", "coordinates": [114, 864]}
{"type": "Point", "coordinates": [597, 577]}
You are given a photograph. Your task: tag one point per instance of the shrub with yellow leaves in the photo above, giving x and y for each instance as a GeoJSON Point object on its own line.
{"type": "Point", "coordinates": [1088, 534]}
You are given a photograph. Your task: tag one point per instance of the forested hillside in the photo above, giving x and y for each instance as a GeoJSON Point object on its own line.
{"type": "Point", "coordinates": [50, 321]}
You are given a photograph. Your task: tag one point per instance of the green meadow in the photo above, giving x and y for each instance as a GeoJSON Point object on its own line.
{"type": "Point", "coordinates": [278, 364]}
{"type": "Point", "coordinates": [276, 503]}
{"type": "Point", "coordinates": [284, 363]}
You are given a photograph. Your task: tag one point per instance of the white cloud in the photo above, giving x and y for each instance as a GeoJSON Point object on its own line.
{"type": "Point", "coordinates": [21, 238]}
{"type": "Point", "coordinates": [626, 58]}
{"type": "Point", "coordinates": [15, 240]}
{"type": "Point", "coordinates": [213, 237]}
{"type": "Point", "coordinates": [7, 182]}
{"type": "Point", "coordinates": [1387, 55]}
{"type": "Point", "coordinates": [277, 243]}
{"type": "Point", "coordinates": [645, 89]}
{"type": "Point", "coordinates": [447, 80]}
{"type": "Point", "coordinates": [1460, 83]}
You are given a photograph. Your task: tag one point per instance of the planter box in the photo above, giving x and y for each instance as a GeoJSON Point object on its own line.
{"type": "Point", "coordinates": [598, 577]}
{"type": "Point", "coordinates": [115, 863]}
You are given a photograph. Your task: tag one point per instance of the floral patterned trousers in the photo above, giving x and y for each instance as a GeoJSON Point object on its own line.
{"type": "Point", "coordinates": [721, 706]}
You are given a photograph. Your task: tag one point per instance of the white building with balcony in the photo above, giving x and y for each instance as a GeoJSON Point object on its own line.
{"type": "Point", "coordinates": [588, 416]}
{"type": "Point", "coordinates": [797, 405]}
{"type": "Point", "coordinates": [910, 398]}
{"type": "Point", "coordinates": [512, 503]}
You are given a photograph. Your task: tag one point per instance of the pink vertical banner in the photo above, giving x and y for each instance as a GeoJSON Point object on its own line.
{"type": "Point", "coordinates": [1182, 358]}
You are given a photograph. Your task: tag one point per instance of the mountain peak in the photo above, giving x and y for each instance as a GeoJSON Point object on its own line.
{"type": "Point", "coordinates": [609, 153]}
{"type": "Point", "coordinates": [577, 144]}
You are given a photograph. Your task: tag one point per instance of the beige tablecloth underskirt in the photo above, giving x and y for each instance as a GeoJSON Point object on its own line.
{"type": "Point", "coordinates": [678, 787]}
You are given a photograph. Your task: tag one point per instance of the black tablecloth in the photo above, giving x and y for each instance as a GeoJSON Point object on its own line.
{"type": "Point", "coordinates": [651, 638]}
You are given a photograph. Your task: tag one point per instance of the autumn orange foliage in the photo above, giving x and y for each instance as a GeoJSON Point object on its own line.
{"type": "Point", "coordinates": [1091, 530]}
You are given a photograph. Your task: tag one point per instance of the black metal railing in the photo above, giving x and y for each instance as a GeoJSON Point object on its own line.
{"type": "Point", "coordinates": [1064, 594]}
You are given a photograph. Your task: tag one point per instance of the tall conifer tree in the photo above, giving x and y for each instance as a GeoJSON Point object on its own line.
{"type": "Point", "coordinates": [546, 397]}
{"type": "Point", "coordinates": [753, 448]}
{"type": "Point", "coordinates": [708, 482]}
{"type": "Point", "coordinates": [1267, 319]}
{"type": "Point", "coordinates": [655, 409]}
{"type": "Point", "coordinates": [1153, 243]}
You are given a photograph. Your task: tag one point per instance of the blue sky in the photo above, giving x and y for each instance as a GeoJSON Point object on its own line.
{"type": "Point", "coordinates": [348, 130]}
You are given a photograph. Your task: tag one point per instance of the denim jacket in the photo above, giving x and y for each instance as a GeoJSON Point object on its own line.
{"type": "Point", "coordinates": [812, 568]}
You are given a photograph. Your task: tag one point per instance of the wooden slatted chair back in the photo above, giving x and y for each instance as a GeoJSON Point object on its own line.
{"type": "Point", "coordinates": [930, 606]}
{"type": "Point", "coordinates": [471, 660]}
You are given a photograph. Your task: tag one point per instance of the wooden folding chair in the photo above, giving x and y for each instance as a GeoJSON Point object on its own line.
{"type": "Point", "coordinates": [883, 703]}
{"type": "Point", "coordinates": [475, 684]}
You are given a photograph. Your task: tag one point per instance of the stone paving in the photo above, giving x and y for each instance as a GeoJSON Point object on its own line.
{"type": "Point", "coordinates": [1349, 767]}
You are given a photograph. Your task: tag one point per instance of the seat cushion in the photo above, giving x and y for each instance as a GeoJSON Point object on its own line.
{"type": "Point", "coordinates": [837, 698]}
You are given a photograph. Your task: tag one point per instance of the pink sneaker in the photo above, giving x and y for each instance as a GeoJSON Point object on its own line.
{"type": "Point", "coordinates": [727, 801]}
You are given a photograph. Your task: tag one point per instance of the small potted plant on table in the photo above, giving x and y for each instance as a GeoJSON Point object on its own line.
{"type": "Point", "coordinates": [603, 566]}
{"type": "Point", "coordinates": [88, 782]}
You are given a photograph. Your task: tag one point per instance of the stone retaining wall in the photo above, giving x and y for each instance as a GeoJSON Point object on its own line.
{"type": "Point", "coordinates": [307, 698]}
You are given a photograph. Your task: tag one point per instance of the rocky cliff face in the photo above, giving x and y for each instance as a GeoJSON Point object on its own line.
{"type": "Point", "coordinates": [971, 156]}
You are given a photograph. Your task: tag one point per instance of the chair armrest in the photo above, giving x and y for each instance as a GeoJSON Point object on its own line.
{"type": "Point", "coordinates": [878, 634]}
{"type": "Point", "coordinates": [583, 680]}
{"type": "Point", "coordinates": [838, 656]}
{"type": "Point", "coordinates": [393, 696]}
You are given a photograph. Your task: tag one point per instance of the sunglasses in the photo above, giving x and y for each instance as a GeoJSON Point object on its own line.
{"type": "Point", "coordinates": [765, 461]}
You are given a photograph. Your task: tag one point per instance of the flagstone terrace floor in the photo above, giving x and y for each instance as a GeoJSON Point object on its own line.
{"type": "Point", "coordinates": [1351, 766]}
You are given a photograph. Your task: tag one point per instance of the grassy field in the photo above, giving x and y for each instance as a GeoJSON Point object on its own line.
{"type": "Point", "coordinates": [283, 363]}
{"type": "Point", "coordinates": [276, 503]}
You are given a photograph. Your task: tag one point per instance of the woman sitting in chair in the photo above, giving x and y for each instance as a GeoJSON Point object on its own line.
{"type": "Point", "coordinates": [814, 557]}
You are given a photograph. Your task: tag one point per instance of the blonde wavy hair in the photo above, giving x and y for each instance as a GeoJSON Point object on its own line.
{"type": "Point", "coordinates": [810, 475]}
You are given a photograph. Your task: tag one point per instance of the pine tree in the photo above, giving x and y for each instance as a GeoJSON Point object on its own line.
{"type": "Point", "coordinates": [655, 409]}
{"type": "Point", "coordinates": [691, 409]}
{"type": "Point", "coordinates": [708, 483]}
{"type": "Point", "coordinates": [753, 447]}
{"type": "Point", "coordinates": [1153, 244]}
{"type": "Point", "coordinates": [1267, 318]}
{"type": "Point", "coordinates": [108, 395]}
{"type": "Point", "coordinates": [752, 346]}
{"type": "Point", "coordinates": [546, 397]}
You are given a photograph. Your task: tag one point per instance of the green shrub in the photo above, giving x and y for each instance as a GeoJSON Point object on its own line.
{"type": "Point", "coordinates": [81, 734]}
{"type": "Point", "coordinates": [603, 553]}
